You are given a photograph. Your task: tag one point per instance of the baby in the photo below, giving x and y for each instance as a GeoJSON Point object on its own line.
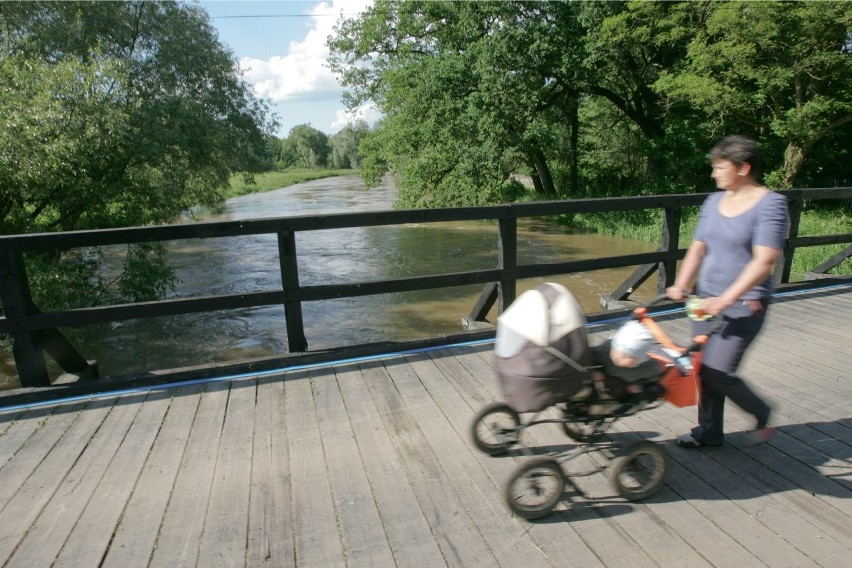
{"type": "Point", "coordinates": [624, 362]}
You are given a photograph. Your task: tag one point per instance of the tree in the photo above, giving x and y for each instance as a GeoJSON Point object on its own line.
{"type": "Point", "coordinates": [590, 98]}
{"type": "Point", "coordinates": [305, 147]}
{"type": "Point", "coordinates": [476, 92]}
{"type": "Point", "coordinates": [118, 114]}
{"type": "Point", "coordinates": [458, 92]}
{"type": "Point", "coordinates": [771, 69]}
{"type": "Point", "coordinates": [344, 145]}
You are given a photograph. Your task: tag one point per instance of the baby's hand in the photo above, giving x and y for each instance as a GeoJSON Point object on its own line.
{"type": "Point", "coordinates": [634, 389]}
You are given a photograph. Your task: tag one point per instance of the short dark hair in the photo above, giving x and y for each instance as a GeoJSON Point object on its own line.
{"type": "Point", "coordinates": [739, 150]}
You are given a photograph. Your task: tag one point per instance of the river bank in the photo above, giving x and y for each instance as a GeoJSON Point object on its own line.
{"type": "Point", "coordinates": [267, 181]}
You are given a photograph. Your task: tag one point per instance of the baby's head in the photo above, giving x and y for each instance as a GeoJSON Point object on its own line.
{"type": "Point", "coordinates": [630, 344]}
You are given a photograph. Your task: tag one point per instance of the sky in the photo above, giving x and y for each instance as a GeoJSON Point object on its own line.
{"type": "Point", "coordinates": [281, 48]}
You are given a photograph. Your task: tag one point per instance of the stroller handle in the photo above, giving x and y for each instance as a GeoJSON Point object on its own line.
{"type": "Point", "coordinates": [641, 314]}
{"type": "Point", "coordinates": [642, 311]}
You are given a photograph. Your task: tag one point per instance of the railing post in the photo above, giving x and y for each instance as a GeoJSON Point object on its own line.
{"type": "Point", "coordinates": [296, 341]}
{"type": "Point", "coordinates": [794, 211]}
{"type": "Point", "coordinates": [670, 242]}
{"type": "Point", "coordinates": [15, 294]}
{"type": "Point", "coordinates": [507, 259]}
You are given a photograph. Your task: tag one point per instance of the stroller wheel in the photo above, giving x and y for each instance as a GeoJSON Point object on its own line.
{"type": "Point", "coordinates": [638, 472]}
{"type": "Point", "coordinates": [495, 428]}
{"type": "Point", "coordinates": [535, 487]}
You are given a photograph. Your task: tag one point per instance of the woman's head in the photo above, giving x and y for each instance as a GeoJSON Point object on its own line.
{"type": "Point", "coordinates": [740, 151]}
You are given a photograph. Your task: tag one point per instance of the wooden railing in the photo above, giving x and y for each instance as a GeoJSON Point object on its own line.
{"type": "Point", "coordinates": [35, 333]}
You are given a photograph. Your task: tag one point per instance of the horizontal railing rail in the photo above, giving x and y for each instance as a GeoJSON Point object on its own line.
{"type": "Point", "coordinates": [35, 332]}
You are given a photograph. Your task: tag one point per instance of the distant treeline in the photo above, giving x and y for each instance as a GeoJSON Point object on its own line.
{"type": "Point", "coordinates": [307, 147]}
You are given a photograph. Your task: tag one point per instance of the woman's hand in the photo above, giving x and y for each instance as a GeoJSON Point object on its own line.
{"type": "Point", "coordinates": [676, 292]}
{"type": "Point", "coordinates": [714, 305]}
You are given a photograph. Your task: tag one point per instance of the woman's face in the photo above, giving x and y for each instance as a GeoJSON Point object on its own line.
{"type": "Point", "coordinates": [728, 175]}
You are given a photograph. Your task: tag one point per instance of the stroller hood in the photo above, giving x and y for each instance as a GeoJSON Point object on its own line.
{"type": "Point", "coordinates": [541, 348]}
{"type": "Point", "coordinates": [542, 316]}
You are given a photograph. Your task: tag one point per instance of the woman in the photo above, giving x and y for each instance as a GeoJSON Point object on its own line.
{"type": "Point", "coordinates": [739, 237]}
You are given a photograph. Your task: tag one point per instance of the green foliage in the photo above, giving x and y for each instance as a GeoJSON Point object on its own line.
{"type": "Point", "coordinates": [599, 98]}
{"type": "Point", "coordinates": [456, 82]}
{"type": "Point", "coordinates": [117, 114]}
{"type": "Point", "coordinates": [77, 278]}
{"type": "Point", "coordinates": [145, 275]}
{"type": "Point", "coordinates": [773, 70]}
{"type": "Point", "coordinates": [647, 226]}
{"type": "Point", "coordinates": [344, 145]}
{"type": "Point", "coordinates": [304, 147]}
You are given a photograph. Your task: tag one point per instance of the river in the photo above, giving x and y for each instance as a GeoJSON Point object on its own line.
{"type": "Point", "coordinates": [233, 265]}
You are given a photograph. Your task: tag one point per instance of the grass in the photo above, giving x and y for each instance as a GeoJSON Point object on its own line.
{"type": "Point", "coordinates": [267, 181]}
{"type": "Point", "coordinates": [823, 222]}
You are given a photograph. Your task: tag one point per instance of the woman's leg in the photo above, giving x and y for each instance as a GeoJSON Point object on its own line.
{"type": "Point", "coordinates": [722, 357]}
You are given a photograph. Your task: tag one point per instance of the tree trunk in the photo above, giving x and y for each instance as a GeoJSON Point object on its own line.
{"type": "Point", "coordinates": [574, 180]}
{"type": "Point", "coordinates": [539, 188]}
{"type": "Point", "coordinates": [794, 158]}
{"type": "Point", "coordinates": [543, 172]}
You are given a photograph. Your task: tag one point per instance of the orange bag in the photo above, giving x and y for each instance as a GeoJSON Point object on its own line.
{"type": "Point", "coordinates": [682, 390]}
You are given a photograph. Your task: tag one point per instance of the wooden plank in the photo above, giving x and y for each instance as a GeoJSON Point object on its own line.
{"type": "Point", "coordinates": [562, 545]}
{"type": "Point", "coordinates": [510, 540]}
{"type": "Point", "coordinates": [32, 510]}
{"type": "Point", "coordinates": [456, 534]}
{"type": "Point", "coordinates": [137, 531]}
{"type": "Point", "coordinates": [181, 529]}
{"type": "Point", "coordinates": [318, 541]}
{"type": "Point", "coordinates": [725, 507]}
{"type": "Point", "coordinates": [90, 538]}
{"type": "Point", "coordinates": [41, 434]}
{"type": "Point", "coordinates": [636, 522]}
{"type": "Point", "coordinates": [779, 482]}
{"type": "Point", "coordinates": [270, 528]}
{"type": "Point", "coordinates": [688, 517]}
{"type": "Point", "coordinates": [409, 535]}
{"type": "Point", "coordinates": [18, 426]}
{"type": "Point", "coordinates": [224, 539]}
{"type": "Point", "coordinates": [364, 539]}
{"type": "Point", "coordinates": [595, 515]}
{"type": "Point", "coordinates": [385, 460]}
{"type": "Point", "coordinates": [56, 521]}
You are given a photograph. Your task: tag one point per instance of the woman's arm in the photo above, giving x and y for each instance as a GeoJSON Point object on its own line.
{"type": "Point", "coordinates": [688, 270]}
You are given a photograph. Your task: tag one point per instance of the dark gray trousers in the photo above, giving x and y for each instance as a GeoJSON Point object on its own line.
{"type": "Point", "coordinates": [722, 356]}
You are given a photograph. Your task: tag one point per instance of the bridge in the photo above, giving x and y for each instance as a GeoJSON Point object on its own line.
{"type": "Point", "coordinates": [361, 456]}
{"type": "Point", "coordinates": [367, 462]}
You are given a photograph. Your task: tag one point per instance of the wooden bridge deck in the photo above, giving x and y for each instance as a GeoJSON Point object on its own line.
{"type": "Point", "coordinates": [369, 464]}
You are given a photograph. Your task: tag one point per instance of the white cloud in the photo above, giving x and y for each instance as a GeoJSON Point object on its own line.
{"type": "Point", "coordinates": [301, 74]}
{"type": "Point", "coordinates": [366, 112]}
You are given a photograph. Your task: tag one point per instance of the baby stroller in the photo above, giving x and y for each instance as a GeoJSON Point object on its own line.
{"type": "Point", "coordinates": [544, 361]}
